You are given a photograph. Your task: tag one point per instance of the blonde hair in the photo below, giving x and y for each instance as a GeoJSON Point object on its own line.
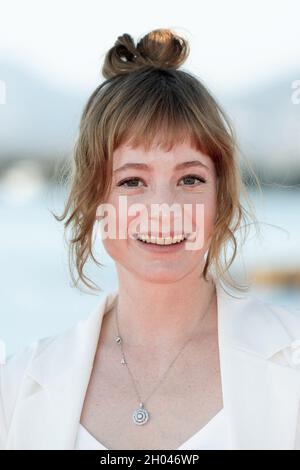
{"type": "Point", "coordinates": [144, 96]}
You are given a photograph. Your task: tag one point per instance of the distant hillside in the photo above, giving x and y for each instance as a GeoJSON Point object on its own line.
{"type": "Point", "coordinates": [40, 121]}
{"type": "Point", "coordinates": [37, 120]}
{"type": "Point", "coordinates": [268, 125]}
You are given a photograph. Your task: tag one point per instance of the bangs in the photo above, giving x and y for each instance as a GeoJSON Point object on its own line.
{"type": "Point", "coordinates": [165, 137]}
{"type": "Point", "coordinates": [161, 118]}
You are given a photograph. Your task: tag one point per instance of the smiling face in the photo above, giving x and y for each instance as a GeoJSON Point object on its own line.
{"type": "Point", "coordinates": [183, 176]}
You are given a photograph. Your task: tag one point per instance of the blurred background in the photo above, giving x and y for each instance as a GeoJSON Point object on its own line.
{"type": "Point", "coordinates": [248, 55]}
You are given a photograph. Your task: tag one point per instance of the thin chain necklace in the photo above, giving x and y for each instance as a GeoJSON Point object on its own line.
{"type": "Point", "coordinates": [141, 415]}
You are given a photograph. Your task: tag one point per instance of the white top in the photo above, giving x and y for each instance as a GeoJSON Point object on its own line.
{"type": "Point", "coordinates": [213, 436]}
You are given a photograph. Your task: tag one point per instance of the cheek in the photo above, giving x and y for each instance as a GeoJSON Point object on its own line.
{"type": "Point", "coordinates": [209, 219]}
{"type": "Point", "coordinates": [210, 212]}
{"type": "Point", "coordinates": [203, 220]}
{"type": "Point", "coordinates": [117, 229]}
{"type": "Point", "coordinates": [123, 215]}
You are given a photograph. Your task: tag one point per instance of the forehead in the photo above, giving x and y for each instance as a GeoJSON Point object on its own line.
{"type": "Point", "coordinates": [157, 155]}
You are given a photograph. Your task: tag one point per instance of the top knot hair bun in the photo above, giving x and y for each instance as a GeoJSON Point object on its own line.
{"type": "Point", "coordinates": [161, 48]}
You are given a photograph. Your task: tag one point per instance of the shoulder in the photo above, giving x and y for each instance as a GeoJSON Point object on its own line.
{"type": "Point", "coordinates": [279, 329]}
{"type": "Point", "coordinates": [260, 326]}
{"type": "Point", "coordinates": [286, 317]}
{"type": "Point", "coordinates": [251, 308]}
{"type": "Point", "coordinates": [289, 321]}
{"type": "Point", "coordinates": [49, 357]}
{"type": "Point", "coordinates": [16, 365]}
{"type": "Point", "coordinates": [62, 343]}
{"type": "Point", "coordinates": [14, 371]}
{"type": "Point", "coordinates": [11, 376]}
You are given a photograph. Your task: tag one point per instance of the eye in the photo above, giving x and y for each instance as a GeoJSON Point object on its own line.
{"type": "Point", "coordinates": [133, 182]}
{"type": "Point", "coordinates": [193, 177]}
{"type": "Point", "coordinates": [129, 180]}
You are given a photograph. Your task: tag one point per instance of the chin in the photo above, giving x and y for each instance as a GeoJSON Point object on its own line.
{"type": "Point", "coordinates": [163, 276]}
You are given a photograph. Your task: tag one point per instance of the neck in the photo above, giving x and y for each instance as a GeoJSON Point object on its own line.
{"type": "Point", "coordinates": [155, 316]}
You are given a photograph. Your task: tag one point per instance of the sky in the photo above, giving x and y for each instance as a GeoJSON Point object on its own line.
{"type": "Point", "coordinates": [234, 44]}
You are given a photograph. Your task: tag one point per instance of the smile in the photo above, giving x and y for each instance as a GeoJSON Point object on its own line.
{"type": "Point", "coordinates": [161, 240]}
{"type": "Point", "coordinates": [160, 245]}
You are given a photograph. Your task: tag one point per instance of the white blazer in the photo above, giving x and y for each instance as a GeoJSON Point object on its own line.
{"type": "Point", "coordinates": [43, 388]}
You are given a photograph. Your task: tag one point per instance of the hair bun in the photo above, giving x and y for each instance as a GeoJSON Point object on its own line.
{"type": "Point", "coordinates": [161, 48]}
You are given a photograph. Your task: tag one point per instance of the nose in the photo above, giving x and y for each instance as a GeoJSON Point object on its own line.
{"type": "Point", "coordinates": [164, 214]}
{"type": "Point", "coordinates": [162, 194]}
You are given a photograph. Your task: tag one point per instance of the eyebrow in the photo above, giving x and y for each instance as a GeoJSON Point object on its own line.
{"type": "Point", "coordinates": [143, 166]}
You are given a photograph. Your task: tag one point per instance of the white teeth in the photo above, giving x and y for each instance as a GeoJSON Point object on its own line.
{"type": "Point", "coordinates": [162, 240]}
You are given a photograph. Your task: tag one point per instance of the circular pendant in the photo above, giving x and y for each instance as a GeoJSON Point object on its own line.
{"type": "Point", "coordinates": [140, 416]}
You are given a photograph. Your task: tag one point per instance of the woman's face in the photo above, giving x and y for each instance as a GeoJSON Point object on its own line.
{"type": "Point", "coordinates": [151, 179]}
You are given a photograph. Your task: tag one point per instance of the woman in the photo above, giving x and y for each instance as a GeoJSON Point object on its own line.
{"type": "Point", "coordinates": [171, 360]}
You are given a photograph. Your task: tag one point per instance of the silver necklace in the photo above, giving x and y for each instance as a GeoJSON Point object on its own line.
{"type": "Point", "coordinates": [141, 415]}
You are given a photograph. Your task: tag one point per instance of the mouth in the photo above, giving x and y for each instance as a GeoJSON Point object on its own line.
{"type": "Point", "coordinates": [161, 246]}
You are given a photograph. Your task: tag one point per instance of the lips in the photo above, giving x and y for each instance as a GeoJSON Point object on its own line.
{"type": "Point", "coordinates": [163, 241]}
{"type": "Point", "coordinates": [160, 235]}
{"type": "Point", "coordinates": [161, 248]}
{"type": "Point", "coordinates": [161, 244]}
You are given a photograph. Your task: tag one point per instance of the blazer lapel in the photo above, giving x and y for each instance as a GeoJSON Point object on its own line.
{"type": "Point", "coordinates": [48, 411]}
{"type": "Point", "coordinates": [260, 395]}
{"type": "Point", "coordinates": [260, 392]}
